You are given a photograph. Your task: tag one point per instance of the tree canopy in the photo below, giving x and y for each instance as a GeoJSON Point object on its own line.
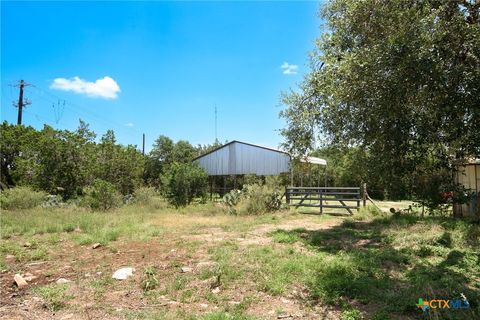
{"type": "Point", "coordinates": [400, 79]}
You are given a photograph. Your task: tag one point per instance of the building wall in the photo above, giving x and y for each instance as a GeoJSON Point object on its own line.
{"type": "Point", "coordinates": [469, 177]}
{"type": "Point", "coordinates": [238, 158]}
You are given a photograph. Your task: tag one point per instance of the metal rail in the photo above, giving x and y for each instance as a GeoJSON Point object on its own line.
{"type": "Point", "coordinates": [320, 196]}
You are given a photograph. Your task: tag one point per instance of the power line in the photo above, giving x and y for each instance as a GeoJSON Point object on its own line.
{"type": "Point", "coordinates": [73, 107]}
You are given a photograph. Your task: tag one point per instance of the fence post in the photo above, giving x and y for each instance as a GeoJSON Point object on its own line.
{"type": "Point", "coordinates": [287, 195]}
{"type": "Point", "coordinates": [321, 200]}
{"type": "Point", "coordinates": [364, 194]}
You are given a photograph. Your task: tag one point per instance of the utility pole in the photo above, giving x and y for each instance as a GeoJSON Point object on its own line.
{"type": "Point", "coordinates": [21, 103]}
{"type": "Point", "coordinates": [143, 145]}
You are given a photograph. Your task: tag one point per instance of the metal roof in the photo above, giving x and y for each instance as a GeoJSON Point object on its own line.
{"type": "Point", "coordinates": [238, 158]}
{"type": "Point", "coordinates": [314, 160]}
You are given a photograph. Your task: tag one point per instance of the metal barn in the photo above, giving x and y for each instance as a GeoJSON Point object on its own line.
{"type": "Point", "coordinates": [240, 158]}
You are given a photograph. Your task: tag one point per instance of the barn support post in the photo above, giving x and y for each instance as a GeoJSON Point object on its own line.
{"type": "Point", "coordinates": [224, 191]}
{"type": "Point", "coordinates": [291, 175]}
{"type": "Point", "coordinates": [364, 194]}
{"type": "Point", "coordinates": [211, 187]}
{"type": "Point", "coordinates": [325, 171]}
{"type": "Point", "coordinates": [319, 178]}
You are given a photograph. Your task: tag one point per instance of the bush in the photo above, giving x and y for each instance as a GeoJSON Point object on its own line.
{"type": "Point", "coordinates": [21, 198]}
{"type": "Point", "coordinates": [231, 199]}
{"type": "Point", "coordinates": [150, 280]}
{"type": "Point", "coordinates": [254, 199]}
{"type": "Point", "coordinates": [183, 182]}
{"type": "Point", "coordinates": [102, 195]}
{"type": "Point", "coordinates": [148, 197]}
{"type": "Point", "coordinates": [144, 195]}
{"type": "Point", "coordinates": [52, 201]}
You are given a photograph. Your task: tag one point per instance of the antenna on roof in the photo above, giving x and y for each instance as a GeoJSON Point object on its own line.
{"type": "Point", "coordinates": [216, 138]}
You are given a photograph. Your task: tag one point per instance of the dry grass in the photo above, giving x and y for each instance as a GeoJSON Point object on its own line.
{"type": "Point", "coordinates": [240, 267]}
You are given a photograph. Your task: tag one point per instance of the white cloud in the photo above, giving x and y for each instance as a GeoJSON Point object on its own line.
{"type": "Point", "coordinates": [105, 87]}
{"type": "Point", "coordinates": [289, 68]}
{"type": "Point", "coordinates": [129, 124]}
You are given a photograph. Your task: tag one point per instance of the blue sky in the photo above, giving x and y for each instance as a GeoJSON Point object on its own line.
{"type": "Point", "coordinates": [156, 67]}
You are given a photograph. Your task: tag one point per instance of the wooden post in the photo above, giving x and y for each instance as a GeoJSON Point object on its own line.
{"type": "Point", "coordinates": [321, 200]}
{"type": "Point", "coordinates": [364, 194]}
{"type": "Point", "coordinates": [291, 175]}
{"type": "Point", "coordinates": [287, 195]}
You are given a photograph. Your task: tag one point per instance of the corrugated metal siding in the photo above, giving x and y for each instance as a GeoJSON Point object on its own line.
{"type": "Point", "coordinates": [469, 177]}
{"type": "Point", "coordinates": [238, 158]}
{"type": "Point", "coordinates": [216, 163]}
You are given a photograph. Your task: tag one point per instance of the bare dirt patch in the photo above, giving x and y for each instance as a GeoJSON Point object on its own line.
{"type": "Point", "coordinates": [94, 294]}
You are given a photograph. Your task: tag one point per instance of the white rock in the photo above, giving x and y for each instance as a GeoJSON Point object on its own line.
{"type": "Point", "coordinates": [9, 257]}
{"type": "Point", "coordinates": [216, 290]}
{"type": "Point", "coordinates": [123, 273]}
{"type": "Point", "coordinates": [203, 305]}
{"type": "Point", "coordinates": [63, 281]}
{"type": "Point", "coordinates": [21, 283]}
{"type": "Point", "coordinates": [96, 245]}
{"type": "Point", "coordinates": [186, 269]}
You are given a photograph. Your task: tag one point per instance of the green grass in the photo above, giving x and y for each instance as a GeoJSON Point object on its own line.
{"type": "Point", "coordinates": [283, 236]}
{"type": "Point", "coordinates": [371, 266]}
{"type": "Point", "coordinates": [388, 262]}
{"type": "Point", "coordinates": [54, 295]}
{"type": "Point", "coordinates": [35, 252]}
{"type": "Point", "coordinates": [134, 222]}
{"type": "Point", "coordinates": [225, 316]}
{"type": "Point", "coordinates": [150, 280]}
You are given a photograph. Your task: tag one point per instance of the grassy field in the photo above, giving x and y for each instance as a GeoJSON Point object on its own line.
{"type": "Point", "coordinates": [286, 265]}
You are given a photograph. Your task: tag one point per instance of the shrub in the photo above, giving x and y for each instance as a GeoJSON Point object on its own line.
{"type": "Point", "coordinates": [254, 199]}
{"type": "Point", "coordinates": [21, 198]}
{"type": "Point", "coordinates": [102, 195]}
{"type": "Point", "coordinates": [150, 280]}
{"type": "Point", "coordinates": [144, 195]}
{"type": "Point", "coordinates": [53, 200]}
{"type": "Point", "coordinates": [231, 199]}
{"type": "Point", "coordinates": [183, 182]}
{"type": "Point", "coordinates": [260, 199]}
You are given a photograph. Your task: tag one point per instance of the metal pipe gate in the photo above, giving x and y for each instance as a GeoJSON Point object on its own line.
{"type": "Point", "coordinates": [347, 198]}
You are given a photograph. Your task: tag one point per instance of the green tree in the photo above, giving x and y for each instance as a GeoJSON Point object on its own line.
{"type": "Point", "coordinates": [164, 153]}
{"type": "Point", "coordinates": [183, 152]}
{"type": "Point", "coordinates": [184, 182]}
{"type": "Point", "coordinates": [399, 79]}
{"type": "Point", "coordinates": [121, 166]}
{"type": "Point", "coordinates": [14, 140]}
